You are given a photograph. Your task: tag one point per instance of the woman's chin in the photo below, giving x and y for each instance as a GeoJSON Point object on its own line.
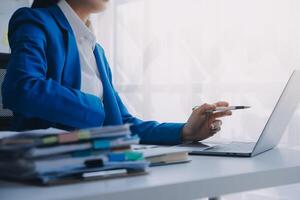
{"type": "Point", "coordinates": [100, 10]}
{"type": "Point", "coordinates": [100, 7]}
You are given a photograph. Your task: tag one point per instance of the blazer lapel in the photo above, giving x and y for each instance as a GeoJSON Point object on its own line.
{"type": "Point", "coordinates": [112, 111]}
{"type": "Point", "coordinates": [60, 18]}
{"type": "Point", "coordinates": [71, 75]}
{"type": "Point", "coordinates": [72, 71]}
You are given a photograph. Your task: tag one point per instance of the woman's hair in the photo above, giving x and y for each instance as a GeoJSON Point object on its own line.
{"type": "Point", "coordinates": [43, 3]}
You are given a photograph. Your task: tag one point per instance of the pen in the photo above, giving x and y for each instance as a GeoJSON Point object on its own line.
{"type": "Point", "coordinates": [223, 109]}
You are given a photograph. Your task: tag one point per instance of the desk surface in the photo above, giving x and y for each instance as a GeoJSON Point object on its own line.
{"type": "Point", "coordinates": [203, 177]}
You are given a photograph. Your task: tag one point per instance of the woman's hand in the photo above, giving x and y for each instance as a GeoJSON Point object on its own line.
{"type": "Point", "coordinates": [202, 125]}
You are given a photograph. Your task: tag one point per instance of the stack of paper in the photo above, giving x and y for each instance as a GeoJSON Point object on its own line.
{"type": "Point", "coordinates": [161, 155]}
{"type": "Point", "coordinates": [52, 155]}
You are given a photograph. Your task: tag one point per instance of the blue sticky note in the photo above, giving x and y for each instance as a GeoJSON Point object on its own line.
{"type": "Point", "coordinates": [101, 144]}
{"type": "Point", "coordinates": [116, 157]}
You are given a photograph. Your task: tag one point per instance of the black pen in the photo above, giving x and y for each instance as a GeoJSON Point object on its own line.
{"type": "Point", "coordinates": [223, 109]}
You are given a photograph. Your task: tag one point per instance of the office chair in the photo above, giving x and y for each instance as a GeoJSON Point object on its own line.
{"type": "Point", "coordinates": [5, 114]}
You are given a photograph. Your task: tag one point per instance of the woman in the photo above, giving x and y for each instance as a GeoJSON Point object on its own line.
{"type": "Point", "coordinates": [59, 77]}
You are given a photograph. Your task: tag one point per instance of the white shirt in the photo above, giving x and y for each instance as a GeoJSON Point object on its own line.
{"type": "Point", "coordinates": [86, 41]}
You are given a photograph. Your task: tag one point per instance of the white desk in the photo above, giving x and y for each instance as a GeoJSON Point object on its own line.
{"type": "Point", "coordinates": [203, 177]}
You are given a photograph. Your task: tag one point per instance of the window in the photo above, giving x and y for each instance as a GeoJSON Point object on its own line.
{"type": "Point", "coordinates": [168, 56]}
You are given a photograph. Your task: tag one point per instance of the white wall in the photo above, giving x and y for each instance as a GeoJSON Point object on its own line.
{"type": "Point", "coordinates": [6, 10]}
{"type": "Point", "coordinates": [170, 55]}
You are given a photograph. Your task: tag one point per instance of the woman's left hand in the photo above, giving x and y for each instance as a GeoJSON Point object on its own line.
{"type": "Point", "coordinates": [202, 124]}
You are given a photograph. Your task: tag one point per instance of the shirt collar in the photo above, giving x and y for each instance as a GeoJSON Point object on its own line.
{"type": "Point", "coordinates": [81, 30]}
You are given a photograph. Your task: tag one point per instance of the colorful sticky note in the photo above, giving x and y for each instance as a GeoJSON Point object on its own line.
{"type": "Point", "coordinates": [133, 156]}
{"type": "Point", "coordinates": [101, 144]}
{"type": "Point", "coordinates": [83, 135]}
{"type": "Point", "coordinates": [82, 153]}
{"type": "Point", "coordinates": [68, 137]}
{"type": "Point", "coordinates": [117, 157]}
{"type": "Point", "coordinates": [50, 140]}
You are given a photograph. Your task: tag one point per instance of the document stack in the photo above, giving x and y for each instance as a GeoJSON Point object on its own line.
{"type": "Point", "coordinates": [161, 155]}
{"type": "Point", "coordinates": [53, 156]}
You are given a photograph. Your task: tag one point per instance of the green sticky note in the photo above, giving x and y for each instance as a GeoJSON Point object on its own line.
{"type": "Point", "coordinates": [50, 140]}
{"type": "Point", "coordinates": [85, 153]}
{"type": "Point", "coordinates": [84, 135]}
{"type": "Point", "coordinates": [132, 156]}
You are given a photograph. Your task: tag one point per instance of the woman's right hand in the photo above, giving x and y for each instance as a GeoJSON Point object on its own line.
{"type": "Point", "coordinates": [202, 124]}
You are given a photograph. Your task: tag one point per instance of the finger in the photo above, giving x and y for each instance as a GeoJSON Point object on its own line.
{"type": "Point", "coordinates": [209, 124]}
{"type": "Point", "coordinates": [204, 108]}
{"type": "Point", "coordinates": [216, 124]}
{"type": "Point", "coordinates": [221, 114]}
{"type": "Point", "coordinates": [215, 131]}
{"type": "Point", "coordinates": [211, 118]}
{"type": "Point", "coordinates": [222, 104]}
{"type": "Point", "coordinates": [206, 130]}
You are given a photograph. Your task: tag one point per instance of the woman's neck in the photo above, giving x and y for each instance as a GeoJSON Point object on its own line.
{"type": "Point", "coordinates": [79, 10]}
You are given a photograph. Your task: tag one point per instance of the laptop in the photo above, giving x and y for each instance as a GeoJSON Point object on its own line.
{"type": "Point", "coordinates": [271, 134]}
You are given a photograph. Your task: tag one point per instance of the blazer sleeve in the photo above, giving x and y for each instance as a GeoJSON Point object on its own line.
{"type": "Point", "coordinates": [150, 132]}
{"type": "Point", "coordinates": [27, 91]}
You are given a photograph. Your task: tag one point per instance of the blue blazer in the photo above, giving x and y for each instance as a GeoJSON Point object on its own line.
{"type": "Point", "coordinates": [42, 84]}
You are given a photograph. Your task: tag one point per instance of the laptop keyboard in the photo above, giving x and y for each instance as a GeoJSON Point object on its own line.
{"type": "Point", "coordinates": [233, 147]}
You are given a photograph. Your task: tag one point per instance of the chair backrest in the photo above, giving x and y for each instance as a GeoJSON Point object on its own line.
{"type": "Point", "coordinates": [5, 114]}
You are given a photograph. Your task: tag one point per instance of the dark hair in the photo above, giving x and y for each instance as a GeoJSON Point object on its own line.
{"type": "Point", "coordinates": [43, 3]}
